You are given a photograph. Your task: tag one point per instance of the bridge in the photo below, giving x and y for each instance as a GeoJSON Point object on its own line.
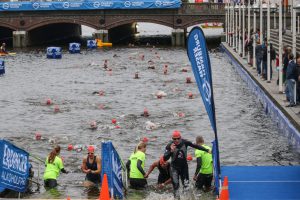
{"type": "Point", "coordinates": [29, 27]}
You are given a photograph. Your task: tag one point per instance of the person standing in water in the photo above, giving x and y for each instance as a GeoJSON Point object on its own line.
{"type": "Point", "coordinates": [54, 165]}
{"type": "Point", "coordinates": [177, 151]}
{"type": "Point", "coordinates": [204, 170]}
{"type": "Point", "coordinates": [91, 166]}
{"type": "Point", "coordinates": [135, 166]}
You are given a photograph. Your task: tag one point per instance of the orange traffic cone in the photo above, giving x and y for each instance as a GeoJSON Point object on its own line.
{"type": "Point", "coordinates": [224, 192]}
{"type": "Point", "coordinates": [68, 198]}
{"type": "Point", "coordinates": [104, 194]}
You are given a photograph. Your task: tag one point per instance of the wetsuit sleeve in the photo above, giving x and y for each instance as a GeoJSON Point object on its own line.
{"type": "Point", "coordinates": [168, 152]}
{"type": "Point", "coordinates": [139, 166]}
{"type": "Point", "coordinates": [64, 171]}
{"type": "Point", "coordinates": [199, 163]}
{"type": "Point", "coordinates": [188, 143]}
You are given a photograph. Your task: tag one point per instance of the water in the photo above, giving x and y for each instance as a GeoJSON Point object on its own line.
{"type": "Point", "coordinates": [246, 135]}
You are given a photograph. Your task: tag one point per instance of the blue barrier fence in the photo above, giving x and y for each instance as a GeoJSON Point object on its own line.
{"type": "Point", "coordinates": [89, 5]}
{"type": "Point", "coordinates": [282, 122]}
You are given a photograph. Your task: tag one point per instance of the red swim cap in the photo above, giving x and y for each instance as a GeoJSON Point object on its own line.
{"type": "Point", "coordinates": [176, 134]}
{"type": "Point", "coordinates": [91, 149]}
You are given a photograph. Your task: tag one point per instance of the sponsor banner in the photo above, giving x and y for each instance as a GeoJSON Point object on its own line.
{"type": "Point", "coordinates": [112, 167]}
{"type": "Point", "coordinates": [14, 167]}
{"type": "Point", "coordinates": [90, 5]}
{"type": "Point", "coordinates": [200, 62]}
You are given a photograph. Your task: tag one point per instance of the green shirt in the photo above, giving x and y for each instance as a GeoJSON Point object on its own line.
{"type": "Point", "coordinates": [52, 169]}
{"type": "Point", "coordinates": [134, 171]}
{"type": "Point", "coordinates": [207, 163]}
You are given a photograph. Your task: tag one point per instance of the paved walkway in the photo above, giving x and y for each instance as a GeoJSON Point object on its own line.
{"type": "Point", "coordinates": [271, 89]}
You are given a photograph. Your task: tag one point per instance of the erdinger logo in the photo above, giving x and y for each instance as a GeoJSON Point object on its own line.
{"type": "Point", "coordinates": [96, 4]}
{"type": "Point", "coordinates": [158, 3]}
{"type": "Point", "coordinates": [36, 5]}
{"type": "Point", "coordinates": [207, 91]}
{"type": "Point", "coordinates": [66, 5]}
{"type": "Point", "coordinates": [5, 6]}
{"type": "Point", "coordinates": [127, 4]}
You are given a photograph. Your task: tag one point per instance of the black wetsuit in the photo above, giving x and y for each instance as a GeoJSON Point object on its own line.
{"type": "Point", "coordinates": [179, 165]}
{"type": "Point", "coordinates": [95, 178]}
{"type": "Point", "coordinates": [164, 173]}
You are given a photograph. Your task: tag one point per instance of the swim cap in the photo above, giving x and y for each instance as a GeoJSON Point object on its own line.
{"type": "Point", "coordinates": [91, 149]}
{"type": "Point", "coordinates": [176, 134]}
{"type": "Point", "coordinates": [162, 161]}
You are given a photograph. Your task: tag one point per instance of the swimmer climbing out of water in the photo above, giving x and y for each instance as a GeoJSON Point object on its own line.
{"type": "Point", "coordinates": [54, 165]}
{"type": "Point", "coordinates": [164, 176]}
{"type": "Point", "coordinates": [3, 49]}
{"type": "Point", "coordinates": [177, 151]}
{"type": "Point", "coordinates": [135, 166]}
{"type": "Point", "coordinates": [91, 166]}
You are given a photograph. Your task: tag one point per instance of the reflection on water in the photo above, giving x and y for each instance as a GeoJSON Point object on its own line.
{"type": "Point", "coordinates": [247, 136]}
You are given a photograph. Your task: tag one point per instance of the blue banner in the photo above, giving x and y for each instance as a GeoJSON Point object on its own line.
{"type": "Point", "coordinates": [112, 167]}
{"type": "Point", "coordinates": [89, 5]}
{"type": "Point", "coordinates": [14, 167]}
{"type": "Point", "coordinates": [2, 67]}
{"type": "Point", "coordinates": [215, 155]}
{"type": "Point", "coordinates": [199, 58]}
{"type": "Point", "coordinates": [200, 62]}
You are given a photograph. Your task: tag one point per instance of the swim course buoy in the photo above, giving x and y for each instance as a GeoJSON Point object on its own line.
{"type": "Point", "coordinates": [2, 67]}
{"type": "Point", "coordinates": [74, 47]}
{"type": "Point", "coordinates": [103, 44]}
{"type": "Point", "coordinates": [91, 44]}
{"type": "Point", "coordinates": [54, 52]}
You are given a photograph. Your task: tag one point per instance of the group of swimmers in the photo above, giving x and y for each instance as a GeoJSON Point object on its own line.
{"type": "Point", "coordinates": [169, 172]}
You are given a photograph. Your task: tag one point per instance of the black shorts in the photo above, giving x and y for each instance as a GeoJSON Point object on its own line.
{"type": "Point", "coordinates": [50, 183]}
{"type": "Point", "coordinates": [137, 183]}
{"type": "Point", "coordinates": [204, 180]}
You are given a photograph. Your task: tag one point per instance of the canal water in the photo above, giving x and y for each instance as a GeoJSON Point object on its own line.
{"type": "Point", "coordinates": [246, 135]}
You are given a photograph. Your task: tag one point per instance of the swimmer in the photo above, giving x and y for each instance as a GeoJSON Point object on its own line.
{"type": "Point", "coordinates": [91, 166]}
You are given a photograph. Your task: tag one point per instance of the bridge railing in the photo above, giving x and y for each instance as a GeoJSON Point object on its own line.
{"type": "Point", "coordinates": [205, 8]}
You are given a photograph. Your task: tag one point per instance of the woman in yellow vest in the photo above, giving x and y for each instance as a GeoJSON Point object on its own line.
{"type": "Point", "coordinates": [135, 165]}
{"type": "Point", "coordinates": [54, 165]}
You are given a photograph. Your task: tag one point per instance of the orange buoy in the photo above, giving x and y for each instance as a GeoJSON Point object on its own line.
{"type": "Point", "coordinates": [114, 121]}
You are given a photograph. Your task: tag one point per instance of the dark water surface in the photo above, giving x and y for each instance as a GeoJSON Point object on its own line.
{"type": "Point", "coordinates": [246, 135]}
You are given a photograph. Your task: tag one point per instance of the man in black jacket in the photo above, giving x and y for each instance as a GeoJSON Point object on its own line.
{"type": "Point", "coordinates": [177, 151]}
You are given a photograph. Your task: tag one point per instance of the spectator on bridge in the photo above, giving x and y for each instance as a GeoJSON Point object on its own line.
{"type": "Point", "coordinates": [91, 166]}
{"type": "Point", "coordinates": [3, 48]}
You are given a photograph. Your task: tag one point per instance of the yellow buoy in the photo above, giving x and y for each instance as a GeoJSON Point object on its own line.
{"type": "Point", "coordinates": [103, 44]}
